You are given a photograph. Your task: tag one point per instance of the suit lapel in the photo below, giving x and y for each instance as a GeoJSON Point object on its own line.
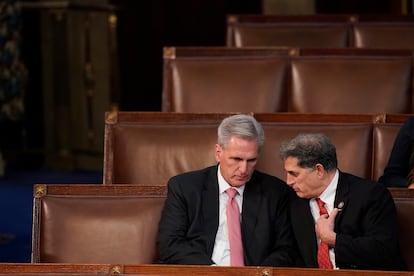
{"type": "Point", "coordinates": [210, 207]}
{"type": "Point", "coordinates": [304, 227]}
{"type": "Point", "coordinates": [341, 197]}
{"type": "Point", "coordinates": [250, 211]}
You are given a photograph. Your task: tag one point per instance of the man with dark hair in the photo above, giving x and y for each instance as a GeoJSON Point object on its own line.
{"type": "Point", "coordinates": [339, 220]}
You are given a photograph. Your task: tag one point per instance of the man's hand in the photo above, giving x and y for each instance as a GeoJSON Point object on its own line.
{"type": "Point", "coordinates": [324, 228]}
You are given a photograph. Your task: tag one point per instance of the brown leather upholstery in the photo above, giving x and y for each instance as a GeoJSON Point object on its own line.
{"type": "Point", "coordinates": [117, 224]}
{"type": "Point", "coordinates": [221, 79]}
{"type": "Point", "coordinates": [350, 82]}
{"type": "Point", "coordinates": [96, 223]}
{"type": "Point", "coordinates": [384, 35]}
{"type": "Point", "coordinates": [310, 35]}
{"type": "Point", "coordinates": [316, 31]}
{"type": "Point", "coordinates": [352, 140]}
{"type": "Point", "coordinates": [383, 141]}
{"type": "Point", "coordinates": [404, 202]}
{"type": "Point", "coordinates": [269, 79]}
{"type": "Point", "coordinates": [380, 31]}
{"type": "Point", "coordinates": [143, 147]}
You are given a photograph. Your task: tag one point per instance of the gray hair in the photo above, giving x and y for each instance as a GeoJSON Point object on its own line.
{"type": "Point", "coordinates": [311, 149]}
{"type": "Point", "coordinates": [240, 125]}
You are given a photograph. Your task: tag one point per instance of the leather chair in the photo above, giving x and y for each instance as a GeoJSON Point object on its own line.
{"type": "Point", "coordinates": [351, 81]}
{"type": "Point", "coordinates": [147, 147]}
{"type": "Point", "coordinates": [383, 141]}
{"type": "Point", "coordinates": [309, 31]}
{"type": "Point", "coordinates": [117, 224]}
{"type": "Point", "coordinates": [222, 79]}
{"type": "Point", "coordinates": [90, 223]}
{"type": "Point", "coordinates": [384, 35]}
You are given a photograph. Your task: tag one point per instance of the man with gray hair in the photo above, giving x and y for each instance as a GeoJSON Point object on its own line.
{"type": "Point", "coordinates": [229, 213]}
{"type": "Point", "coordinates": [339, 220]}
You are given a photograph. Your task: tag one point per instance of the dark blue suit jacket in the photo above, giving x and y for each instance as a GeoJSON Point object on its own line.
{"type": "Point", "coordinates": [366, 227]}
{"type": "Point", "coordinates": [189, 222]}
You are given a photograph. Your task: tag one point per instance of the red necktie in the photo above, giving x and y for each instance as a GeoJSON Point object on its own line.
{"type": "Point", "coordinates": [323, 251]}
{"type": "Point", "coordinates": [233, 224]}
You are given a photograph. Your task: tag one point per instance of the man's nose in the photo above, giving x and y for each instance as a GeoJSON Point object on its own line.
{"type": "Point", "coordinates": [243, 166]}
{"type": "Point", "coordinates": [289, 179]}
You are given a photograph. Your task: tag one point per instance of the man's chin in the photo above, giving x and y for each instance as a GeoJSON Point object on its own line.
{"type": "Point", "coordinates": [299, 194]}
{"type": "Point", "coordinates": [238, 183]}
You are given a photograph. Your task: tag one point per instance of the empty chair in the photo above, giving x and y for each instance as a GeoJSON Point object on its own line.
{"type": "Point", "coordinates": [221, 79]}
{"type": "Point", "coordinates": [351, 81]}
{"type": "Point", "coordinates": [383, 31]}
{"type": "Point", "coordinates": [309, 31]}
{"type": "Point", "coordinates": [90, 223]}
{"type": "Point", "coordinates": [384, 35]}
{"type": "Point", "coordinates": [383, 141]}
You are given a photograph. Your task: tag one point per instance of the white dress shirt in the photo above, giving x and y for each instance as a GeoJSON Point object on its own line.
{"type": "Point", "coordinates": [327, 196]}
{"type": "Point", "coordinates": [221, 251]}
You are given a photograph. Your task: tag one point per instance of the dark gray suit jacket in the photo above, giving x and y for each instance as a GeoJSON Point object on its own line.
{"type": "Point", "coordinates": [366, 227]}
{"type": "Point", "coordinates": [189, 222]}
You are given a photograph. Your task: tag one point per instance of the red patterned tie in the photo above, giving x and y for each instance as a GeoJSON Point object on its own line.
{"type": "Point", "coordinates": [233, 224]}
{"type": "Point", "coordinates": [323, 251]}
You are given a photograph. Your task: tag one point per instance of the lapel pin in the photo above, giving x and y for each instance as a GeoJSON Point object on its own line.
{"type": "Point", "coordinates": [341, 205]}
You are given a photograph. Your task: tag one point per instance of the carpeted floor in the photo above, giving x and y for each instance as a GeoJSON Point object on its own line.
{"type": "Point", "coordinates": [16, 207]}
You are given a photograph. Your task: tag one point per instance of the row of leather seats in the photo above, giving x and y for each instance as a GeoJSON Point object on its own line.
{"type": "Point", "coordinates": [252, 79]}
{"type": "Point", "coordinates": [150, 147]}
{"type": "Point", "coordinates": [303, 63]}
{"type": "Point", "coordinates": [321, 31]}
{"type": "Point", "coordinates": [98, 224]}
{"type": "Point", "coordinates": [117, 223]}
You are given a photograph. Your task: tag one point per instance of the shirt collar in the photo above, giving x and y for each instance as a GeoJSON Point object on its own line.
{"type": "Point", "coordinates": [328, 196]}
{"type": "Point", "coordinates": [223, 185]}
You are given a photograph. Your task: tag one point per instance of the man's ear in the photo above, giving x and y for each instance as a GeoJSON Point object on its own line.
{"type": "Point", "coordinates": [217, 152]}
{"type": "Point", "coordinates": [320, 169]}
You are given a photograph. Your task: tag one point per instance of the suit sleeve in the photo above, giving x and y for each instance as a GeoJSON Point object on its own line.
{"type": "Point", "coordinates": [173, 244]}
{"type": "Point", "coordinates": [283, 251]}
{"type": "Point", "coordinates": [373, 242]}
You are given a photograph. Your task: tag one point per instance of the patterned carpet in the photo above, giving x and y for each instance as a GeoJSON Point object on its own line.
{"type": "Point", "coordinates": [16, 207]}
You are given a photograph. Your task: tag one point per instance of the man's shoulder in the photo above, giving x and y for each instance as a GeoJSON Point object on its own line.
{"type": "Point", "coordinates": [268, 180]}
{"type": "Point", "coordinates": [196, 173]}
{"type": "Point", "coordinates": [362, 185]}
{"type": "Point", "coordinates": [195, 177]}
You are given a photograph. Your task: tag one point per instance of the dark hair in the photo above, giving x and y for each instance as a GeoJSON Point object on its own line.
{"type": "Point", "coordinates": [311, 149]}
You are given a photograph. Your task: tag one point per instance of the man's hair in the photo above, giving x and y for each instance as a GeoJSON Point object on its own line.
{"type": "Point", "coordinates": [240, 125]}
{"type": "Point", "coordinates": [310, 149]}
